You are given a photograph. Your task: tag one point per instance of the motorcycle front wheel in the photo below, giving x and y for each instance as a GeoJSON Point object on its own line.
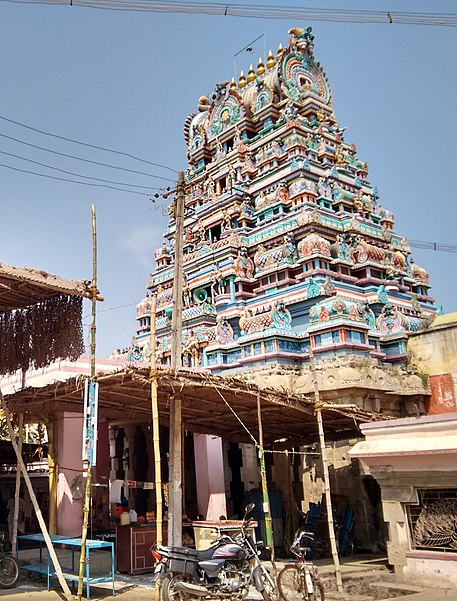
{"type": "Point", "coordinates": [168, 591]}
{"type": "Point", "coordinates": [293, 588]}
{"type": "Point", "coordinates": [268, 591]}
{"type": "Point", "coordinates": [9, 571]}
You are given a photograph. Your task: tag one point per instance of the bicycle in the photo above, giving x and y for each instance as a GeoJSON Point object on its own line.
{"type": "Point", "coordinates": [9, 569]}
{"type": "Point", "coordinates": [298, 580]}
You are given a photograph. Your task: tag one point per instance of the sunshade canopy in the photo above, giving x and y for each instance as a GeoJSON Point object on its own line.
{"type": "Point", "coordinates": [217, 405]}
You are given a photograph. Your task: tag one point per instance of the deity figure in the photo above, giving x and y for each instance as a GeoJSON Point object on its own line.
{"type": "Point", "coordinates": [220, 153]}
{"type": "Point", "coordinates": [289, 249]}
{"type": "Point", "coordinates": [328, 287]}
{"type": "Point", "coordinates": [231, 177]}
{"type": "Point", "coordinates": [313, 288]}
{"type": "Point", "coordinates": [224, 331]}
{"type": "Point", "coordinates": [187, 293]}
{"type": "Point", "coordinates": [217, 283]}
{"type": "Point", "coordinates": [134, 353]}
{"type": "Point", "coordinates": [200, 233]}
{"type": "Point", "coordinates": [209, 187]}
{"type": "Point", "coordinates": [342, 249]}
{"type": "Point", "coordinates": [367, 314]}
{"type": "Point", "coordinates": [323, 187]}
{"type": "Point", "coordinates": [283, 192]}
{"type": "Point", "coordinates": [340, 158]}
{"type": "Point", "coordinates": [191, 349]}
{"type": "Point", "coordinates": [281, 318]}
{"type": "Point", "coordinates": [247, 209]}
{"type": "Point", "coordinates": [244, 266]}
{"type": "Point", "coordinates": [226, 221]}
{"type": "Point", "coordinates": [290, 112]}
{"type": "Point", "coordinates": [382, 294]}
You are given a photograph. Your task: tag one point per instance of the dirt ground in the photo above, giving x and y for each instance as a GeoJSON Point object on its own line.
{"type": "Point", "coordinates": [369, 587]}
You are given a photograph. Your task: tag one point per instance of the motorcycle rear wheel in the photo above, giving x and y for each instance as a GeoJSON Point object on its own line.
{"type": "Point", "coordinates": [169, 593]}
{"type": "Point", "coordinates": [292, 588]}
{"type": "Point", "coordinates": [9, 571]}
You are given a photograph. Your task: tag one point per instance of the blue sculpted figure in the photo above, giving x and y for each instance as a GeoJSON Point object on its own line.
{"type": "Point", "coordinates": [280, 317]}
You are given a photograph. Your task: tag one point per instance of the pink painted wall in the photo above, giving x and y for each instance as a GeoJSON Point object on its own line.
{"type": "Point", "coordinates": [68, 429]}
{"type": "Point", "coordinates": [209, 472]}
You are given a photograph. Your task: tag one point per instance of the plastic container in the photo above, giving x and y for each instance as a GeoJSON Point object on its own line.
{"type": "Point", "coordinates": [133, 516]}
{"type": "Point", "coordinates": [125, 518]}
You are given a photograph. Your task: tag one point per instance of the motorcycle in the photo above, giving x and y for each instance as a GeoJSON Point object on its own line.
{"type": "Point", "coordinates": [9, 569]}
{"type": "Point", "coordinates": [226, 570]}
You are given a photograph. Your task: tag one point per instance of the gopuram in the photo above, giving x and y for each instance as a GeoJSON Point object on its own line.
{"type": "Point", "coordinates": [287, 245]}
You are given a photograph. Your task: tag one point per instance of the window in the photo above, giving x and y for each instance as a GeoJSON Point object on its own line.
{"type": "Point", "coordinates": [432, 521]}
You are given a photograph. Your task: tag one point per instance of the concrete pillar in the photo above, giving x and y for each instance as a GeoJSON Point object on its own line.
{"type": "Point", "coordinates": [398, 543]}
{"type": "Point", "coordinates": [209, 472]}
{"type": "Point", "coordinates": [232, 289]}
{"type": "Point", "coordinates": [68, 447]}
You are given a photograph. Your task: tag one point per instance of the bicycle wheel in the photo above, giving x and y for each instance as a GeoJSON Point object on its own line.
{"type": "Point", "coordinates": [290, 584]}
{"type": "Point", "coordinates": [9, 571]}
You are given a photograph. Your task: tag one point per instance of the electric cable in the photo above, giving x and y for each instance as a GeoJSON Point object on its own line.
{"type": "Point", "coordinates": [73, 181]}
{"type": "Point", "coordinates": [46, 133]}
{"type": "Point", "coordinates": [98, 179]}
{"type": "Point", "coordinates": [70, 156]}
{"type": "Point", "coordinates": [261, 12]}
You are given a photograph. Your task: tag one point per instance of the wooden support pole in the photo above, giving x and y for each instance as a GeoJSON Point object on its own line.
{"type": "Point", "coordinates": [175, 450]}
{"type": "Point", "coordinates": [328, 498]}
{"type": "Point", "coordinates": [28, 483]}
{"type": "Point", "coordinates": [52, 477]}
{"type": "Point", "coordinates": [263, 476]}
{"type": "Point", "coordinates": [155, 422]}
{"type": "Point", "coordinates": [93, 330]}
{"type": "Point", "coordinates": [18, 485]}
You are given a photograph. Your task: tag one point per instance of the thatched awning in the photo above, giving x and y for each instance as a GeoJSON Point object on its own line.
{"type": "Point", "coordinates": [40, 318]}
{"type": "Point", "coordinates": [217, 405]}
{"type": "Point", "coordinates": [23, 286]}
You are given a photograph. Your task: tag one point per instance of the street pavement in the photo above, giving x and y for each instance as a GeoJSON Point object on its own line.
{"type": "Point", "coordinates": [138, 588]}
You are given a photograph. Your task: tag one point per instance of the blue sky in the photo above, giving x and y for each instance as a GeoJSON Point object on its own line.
{"type": "Point", "coordinates": [127, 81]}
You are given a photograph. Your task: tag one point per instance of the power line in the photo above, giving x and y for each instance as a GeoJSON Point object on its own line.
{"type": "Point", "coordinates": [99, 179]}
{"type": "Point", "coordinates": [126, 154]}
{"type": "Point", "coordinates": [73, 181]}
{"type": "Point", "coordinates": [71, 156]}
{"type": "Point", "coordinates": [262, 12]}
{"type": "Point", "coordinates": [450, 248]}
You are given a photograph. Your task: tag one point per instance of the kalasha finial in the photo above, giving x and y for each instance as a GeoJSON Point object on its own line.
{"type": "Point", "coordinates": [271, 60]}
{"type": "Point", "coordinates": [233, 84]}
{"type": "Point", "coordinates": [260, 67]}
{"type": "Point", "coordinates": [242, 81]}
{"type": "Point", "coordinates": [251, 74]}
{"type": "Point", "coordinates": [279, 53]}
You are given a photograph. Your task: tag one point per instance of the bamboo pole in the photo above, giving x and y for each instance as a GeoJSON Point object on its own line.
{"type": "Point", "coordinates": [155, 422]}
{"type": "Point", "coordinates": [263, 476]}
{"type": "Point", "coordinates": [18, 485]}
{"type": "Point", "coordinates": [328, 498]}
{"type": "Point", "coordinates": [52, 477]}
{"type": "Point", "coordinates": [175, 451]}
{"type": "Point", "coordinates": [93, 329]}
{"type": "Point", "coordinates": [28, 483]}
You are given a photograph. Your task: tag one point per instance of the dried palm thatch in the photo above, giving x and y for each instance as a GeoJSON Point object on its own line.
{"type": "Point", "coordinates": [39, 334]}
{"type": "Point", "coordinates": [40, 318]}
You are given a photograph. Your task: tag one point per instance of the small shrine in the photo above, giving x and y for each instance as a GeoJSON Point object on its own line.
{"type": "Point", "coordinates": [286, 244]}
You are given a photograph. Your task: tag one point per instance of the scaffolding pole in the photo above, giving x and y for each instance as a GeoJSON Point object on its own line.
{"type": "Point", "coordinates": [328, 499]}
